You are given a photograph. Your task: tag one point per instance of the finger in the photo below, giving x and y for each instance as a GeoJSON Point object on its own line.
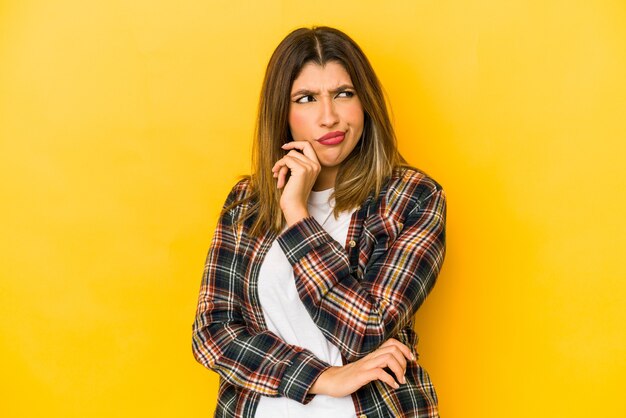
{"type": "Point", "coordinates": [394, 351]}
{"type": "Point", "coordinates": [389, 341]}
{"type": "Point", "coordinates": [276, 169]}
{"type": "Point", "coordinates": [282, 177]}
{"type": "Point", "coordinates": [394, 363]}
{"type": "Point", "coordinates": [302, 169]}
{"type": "Point", "coordinates": [306, 163]}
{"type": "Point", "coordinates": [277, 165]}
{"type": "Point", "coordinates": [301, 157]}
{"type": "Point", "coordinates": [406, 351]}
{"type": "Point", "coordinates": [390, 361]}
{"type": "Point", "coordinates": [380, 374]}
{"type": "Point", "coordinates": [304, 146]}
{"type": "Point", "coordinates": [280, 182]}
{"type": "Point", "coordinates": [291, 162]}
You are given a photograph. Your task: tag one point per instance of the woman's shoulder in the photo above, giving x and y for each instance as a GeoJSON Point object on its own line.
{"type": "Point", "coordinates": [240, 191]}
{"type": "Point", "coordinates": [411, 183]}
{"type": "Point", "coordinates": [239, 199]}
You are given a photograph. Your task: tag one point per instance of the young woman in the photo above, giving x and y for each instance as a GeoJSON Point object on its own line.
{"type": "Point", "coordinates": [321, 258]}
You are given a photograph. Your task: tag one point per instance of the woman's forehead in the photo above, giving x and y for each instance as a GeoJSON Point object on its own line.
{"type": "Point", "coordinates": [325, 77]}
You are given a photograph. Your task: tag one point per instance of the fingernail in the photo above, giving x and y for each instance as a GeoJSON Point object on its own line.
{"type": "Point", "coordinates": [395, 385]}
{"type": "Point", "coordinates": [412, 356]}
{"type": "Point", "coordinates": [403, 380]}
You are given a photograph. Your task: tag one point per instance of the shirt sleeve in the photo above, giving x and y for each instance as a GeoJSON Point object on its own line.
{"type": "Point", "coordinates": [358, 315]}
{"type": "Point", "coordinates": [259, 361]}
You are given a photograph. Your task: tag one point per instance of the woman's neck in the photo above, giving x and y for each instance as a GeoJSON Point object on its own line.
{"type": "Point", "coordinates": [326, 178]}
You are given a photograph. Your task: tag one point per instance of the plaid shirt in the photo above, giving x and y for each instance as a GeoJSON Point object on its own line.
{"type": "Point", "coordinates": [358, 294]}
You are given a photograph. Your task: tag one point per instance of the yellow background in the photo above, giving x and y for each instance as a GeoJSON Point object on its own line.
{"type": "Point", "coordinates": [123, 125]}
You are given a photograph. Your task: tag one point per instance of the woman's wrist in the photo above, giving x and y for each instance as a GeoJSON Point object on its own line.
{"type": "Point", "coordinates": [295, 215]}
{"type": "Point", "coordinates": [320, 387]}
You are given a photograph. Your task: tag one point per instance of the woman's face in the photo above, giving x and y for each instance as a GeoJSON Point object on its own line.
{"type": "Point", "coordinates": [325, 111]}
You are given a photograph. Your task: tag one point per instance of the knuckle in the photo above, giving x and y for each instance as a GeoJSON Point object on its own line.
{"type": "Point", "coordinates": [390, 341]}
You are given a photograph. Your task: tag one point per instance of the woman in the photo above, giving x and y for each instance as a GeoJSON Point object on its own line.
{"type": "Point", "coordinates": [321, 257]}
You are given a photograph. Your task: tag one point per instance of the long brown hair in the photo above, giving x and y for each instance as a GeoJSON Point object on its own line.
{"type": "Point", "coordinates": [370, 163]}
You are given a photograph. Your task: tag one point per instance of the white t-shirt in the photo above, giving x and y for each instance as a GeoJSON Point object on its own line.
{"type": "Point", "coordinates": [287, 317]}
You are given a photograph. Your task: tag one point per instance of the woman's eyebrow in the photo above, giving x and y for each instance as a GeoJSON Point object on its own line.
{"type": "Point", "coordinates": [306, 92]}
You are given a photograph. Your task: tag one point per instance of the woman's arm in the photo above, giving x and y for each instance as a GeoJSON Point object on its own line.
{"type": "Point", "coordinates": [222, 341]}
{"type": "Point", "coordinates": [359, 315]}
{"type": "Point", "coordinates": [262, 361]}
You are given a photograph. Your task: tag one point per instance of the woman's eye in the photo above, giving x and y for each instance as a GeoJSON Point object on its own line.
{"type": "Point", "coordinates": [305, 99]}
{"type": "Point", "coordinates": [345, 94]}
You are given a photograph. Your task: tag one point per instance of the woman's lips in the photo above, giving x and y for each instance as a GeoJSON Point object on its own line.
{"type": "Point", "coordinates": [332, 138]}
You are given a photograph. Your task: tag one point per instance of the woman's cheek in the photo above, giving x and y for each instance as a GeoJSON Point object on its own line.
{"type": "Point", "coordinates": [298, 125]}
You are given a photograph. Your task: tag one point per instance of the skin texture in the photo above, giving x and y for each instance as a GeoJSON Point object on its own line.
{"type": "Point", "coordinates": [323, 100]}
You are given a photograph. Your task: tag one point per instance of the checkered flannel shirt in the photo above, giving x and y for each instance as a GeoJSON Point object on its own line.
{"type": "Point", "coordinates": [359, 294]}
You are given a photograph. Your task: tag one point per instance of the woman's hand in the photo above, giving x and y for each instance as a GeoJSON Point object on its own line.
{"type": "Point", "coordinates": [345, 380]}
{"type": "Point", "coordinates": [304, 168]}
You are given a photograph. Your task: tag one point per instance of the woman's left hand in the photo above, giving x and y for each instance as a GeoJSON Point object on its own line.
{"type": "Point", "coordinates": [304, 168]}
{"type": "Point", "coordinates": [383, 364]}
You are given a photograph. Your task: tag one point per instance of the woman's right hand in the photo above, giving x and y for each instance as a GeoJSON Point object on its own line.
{"type": "Point", "coordinates": [304, 167]}
{"type": "Point", "coordinates": [345, 380]}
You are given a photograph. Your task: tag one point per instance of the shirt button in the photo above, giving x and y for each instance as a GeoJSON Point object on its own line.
{"type": "Point", "coordinates": [352, 244]}
{"type": "Point", "coordinates": [400, 225]}
{"type": "Point", "coordinates": [362, 416]}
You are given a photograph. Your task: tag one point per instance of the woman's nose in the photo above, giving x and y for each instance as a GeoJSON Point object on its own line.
{"type": "Point", "coordinates": [328, 116]}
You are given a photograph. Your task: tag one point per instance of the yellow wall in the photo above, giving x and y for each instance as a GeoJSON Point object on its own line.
{"type": "Point", "coordinates": [123, 125]}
